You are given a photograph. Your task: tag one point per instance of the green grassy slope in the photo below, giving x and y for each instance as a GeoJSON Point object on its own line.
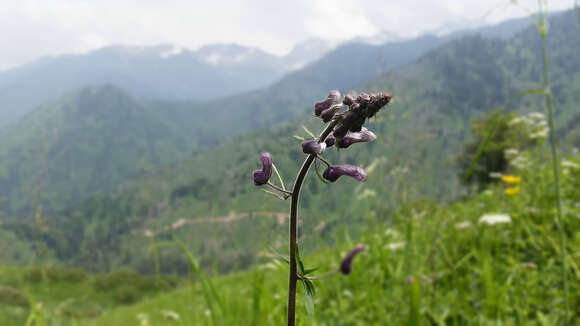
{"type": "Point", "coordinates": [466, 270]}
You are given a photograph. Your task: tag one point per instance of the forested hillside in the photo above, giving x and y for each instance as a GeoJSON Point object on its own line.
{"type": "Point", "coordinates": [209, 201]}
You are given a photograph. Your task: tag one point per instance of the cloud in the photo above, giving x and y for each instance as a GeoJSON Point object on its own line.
{"type": "Point", "coordinates": [34, 28]}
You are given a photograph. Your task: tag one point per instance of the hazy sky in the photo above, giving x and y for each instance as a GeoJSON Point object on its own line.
{"type": "Point", "coordinates": [30, 29]}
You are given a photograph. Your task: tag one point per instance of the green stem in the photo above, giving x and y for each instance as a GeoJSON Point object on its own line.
{"type": "Point", "coordinates": [293, 221]}
{"type": "Point", "coordinates": [555, 165]}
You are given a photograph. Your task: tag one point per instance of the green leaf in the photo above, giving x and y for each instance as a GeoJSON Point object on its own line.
{"type": "Point", "coordinates": [299, 138]}
{"type": "Point", "coordinates": [310, 270]}
{"type": "Point", "coordinates": [299, 261]}
{"type": "Point", "coordinates": [309, 300]}
{"type": "Point", "coordinates": [308, 131]}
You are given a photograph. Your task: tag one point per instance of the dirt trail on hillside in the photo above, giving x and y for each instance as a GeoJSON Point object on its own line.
{"type": "Point", "coordinates": [280, 217]}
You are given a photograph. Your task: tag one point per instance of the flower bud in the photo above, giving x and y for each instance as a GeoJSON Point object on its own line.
{"type": "Point", "coordinates": [330, 140]}
{"type": "Point", "coordinates": [322, 105]}
{"type": "Point", "coordinates": [329, 113]}
{"type": "Point", "coordinates": [340, 131]}
{"type": "Point", "coordinates": [313, 147]}
{"type": "Point", "coordinates": [332, 173]}
{"type": "Point", "coordinates": [332, 98]}
{"type": "Point", "coordinates": [262, 176]}
{"type": "Point", "coordinates": [364, 136]}
{"type": "Point", "coordinates": [346, 264]}
{"type": "Point", "coordinates": [349, 99]}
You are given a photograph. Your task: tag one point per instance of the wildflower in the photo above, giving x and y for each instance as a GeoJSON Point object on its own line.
{"type": "Point", "coordinates": [536, 115]}
{"type": "Point", "coordinates": [510, 191]}
{"type": "Point", "coordinates": [393, 246]}
{"type": "Point", "coordinates": [333, 98]}
{"type": "Point", "coordinates": [332, 173]}
{"type": "Point", "coordinates": [170, 315]}
{"type": "Point", "coordinates": [570, 164]}
{"type": "Point", "coordinates": [313, 147]}
{"type": "Point", "coordinates": [542, 133]}
{"type": "Point", "coordinates": [495, 175]}
{"type": "Point", "coordinates": [346, 264]}
{"type": "Point", "coordinates": [510, 153]}
{"type": "Point", "coordinates": [511, 179]}
{"type": "Point", "coordinates": [462, 225]}
{"type": "Point", "coordinates": [363, 136]}
{"type": "Point", "coordinates": [491, 219]}
{"type": "Point", "coordinates": [262, 176]}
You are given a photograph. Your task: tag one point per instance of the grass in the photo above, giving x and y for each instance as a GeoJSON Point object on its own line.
{"type": "Point", "coordinates": [460, 271]}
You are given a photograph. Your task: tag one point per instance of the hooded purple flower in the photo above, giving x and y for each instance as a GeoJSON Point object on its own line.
{"type": "Point", "coordinates": [313, 147]}
{"type": "Point", "coordinates": [346, 264]}
{"type": "Point", "coordinates": [333, 98]}
{"type": "Point", "coordinates": [363, 136]}
{"type": "Point", "coordinates": [262, 176]}
{"type": "Point", "coordinates": [329, 113]}
{"type": "Point", "coordinates": [330, 140]}
{"type": "Point", "coordinates": [332, 173]}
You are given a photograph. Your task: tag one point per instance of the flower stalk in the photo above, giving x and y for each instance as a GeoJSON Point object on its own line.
{"type": "Point", "coordinates": [293, 277]}
{"type": "Point", "coordinates": [555, 166]}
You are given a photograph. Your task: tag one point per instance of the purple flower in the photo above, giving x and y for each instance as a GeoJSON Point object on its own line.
{"type": "Point", "coordinates": [313, 147]}
{"type": "Point", "coordinates": [333, 98]}
{"type": "Point", "coordinates": [363, 136]}
{"type": "Point", "coordinates": [262, 176]}
{"type": "Point", "coordinates": [330, 140]}
{"type": "Point", "coordinates": [346, 264]}
{"type": "Point", "coordinates": [332, 173]}
{"type": "Point", "coordinates": [329, 113]}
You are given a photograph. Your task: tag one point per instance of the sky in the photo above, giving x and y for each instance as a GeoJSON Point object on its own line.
{"type": "Point", "coordinates": [30, 29]}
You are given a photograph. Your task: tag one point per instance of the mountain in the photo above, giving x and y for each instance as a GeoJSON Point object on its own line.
{"type": "Point", "coordinates": [86, 142]}
{"type": "Point", "coordinates": [158, 72]}
{"type": "Point", "coordinates": [209, 201]}
{"type": "Point", "coordinates": [202, 124]}
{"type": "Point", "coordinates": [168, 72]}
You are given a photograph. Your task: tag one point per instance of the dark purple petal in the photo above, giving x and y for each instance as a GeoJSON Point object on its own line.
{"type": "Point", "coordinates": [332, 173]}
{"type": "Point", "coordinates": [330, 140]}
{"type": "Point", "coordinates": [346, 265]}
{"type": "Point", "coordinates": [363, 136]}
{"type": "Point", "coordinates": [262, 176]}
{"type": "Point", "coordinates": [313, 147]}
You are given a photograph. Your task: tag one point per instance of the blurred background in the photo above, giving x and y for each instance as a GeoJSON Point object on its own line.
{"type": "Point", "coordinates": [129, 131]}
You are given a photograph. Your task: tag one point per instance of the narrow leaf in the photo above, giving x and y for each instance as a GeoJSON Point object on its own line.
{"type": "Point", "coordinates": [299, 138]}
{"type": "Point", "coordinates": [308, 131]}
{"type": "Point", "coordinates": [309, 300]}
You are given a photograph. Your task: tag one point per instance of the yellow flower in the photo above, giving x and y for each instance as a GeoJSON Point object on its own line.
{"type": "Point", "coordinates": [511, 179]}
{"type": "Point", "coordinates": [512, 190]}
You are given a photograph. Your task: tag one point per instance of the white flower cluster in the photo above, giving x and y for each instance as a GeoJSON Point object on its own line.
{"type": "Point", "coordinates": [492, 219]}
{"type": "Point", "coordinates": [536, 121]}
